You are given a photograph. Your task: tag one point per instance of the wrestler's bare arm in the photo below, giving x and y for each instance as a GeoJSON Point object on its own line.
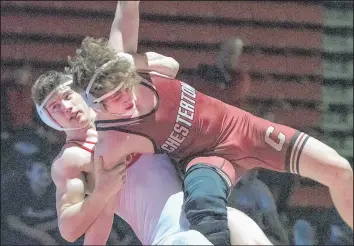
{"type": "Point", "coordinates": [124, 37]}
{"type": "Point", "coordinates": [125, 27]}
{"type": "Point", "coordinates": [70, 183]}
{"type": "Point", "coordinates": [75, 212]}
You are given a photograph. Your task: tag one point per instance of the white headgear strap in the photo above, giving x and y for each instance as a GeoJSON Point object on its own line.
{"type": "Point", "coordinates": [94, 102]}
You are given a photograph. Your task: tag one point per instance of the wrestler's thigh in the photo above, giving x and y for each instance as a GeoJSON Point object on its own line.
{"type": "Point", "coordinates": [233, 172]}
{"type": "Point", "coordinates": [243, 230]}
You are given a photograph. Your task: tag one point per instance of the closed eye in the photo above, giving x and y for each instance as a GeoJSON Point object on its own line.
{"type": "Point", "coordinates": [55, 107]}
{"type": "Point", "coordinates": [68, 96]}
{"type": "Point", "coordinates": [117, 96]}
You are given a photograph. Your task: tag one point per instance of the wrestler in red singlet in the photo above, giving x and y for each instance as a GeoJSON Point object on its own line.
{"type": "Point", "coordinates": [187, 124]}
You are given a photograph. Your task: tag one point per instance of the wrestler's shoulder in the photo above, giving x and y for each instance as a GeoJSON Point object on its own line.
{"type": "Point", "coordinates": [71, 156]}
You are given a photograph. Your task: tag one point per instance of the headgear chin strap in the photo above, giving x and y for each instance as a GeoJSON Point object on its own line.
{"type": "Point", "coordinates": [45, 116]}
{"type": "Point", "coordinates": [95, 102]}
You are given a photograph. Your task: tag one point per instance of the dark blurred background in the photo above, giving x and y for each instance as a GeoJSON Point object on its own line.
{"type": "Point", "coordinates": [289, 62]}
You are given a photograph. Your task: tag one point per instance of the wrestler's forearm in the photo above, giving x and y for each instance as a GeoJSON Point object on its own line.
{"type": "Point", "coordinates": [99, 231]}
{"type": "Point", "coordinates": [75, 220]}
{"type": "Point", "coordinates": [125, 27]}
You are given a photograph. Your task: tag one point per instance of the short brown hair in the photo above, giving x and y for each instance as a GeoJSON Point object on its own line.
{"type": "Point", "coordinates": [91, 55]}
{"type": "Point", "coordinates": [46, 83]}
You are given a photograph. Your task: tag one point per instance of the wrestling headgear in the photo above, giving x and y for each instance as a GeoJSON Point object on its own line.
{"type": "Point", "coordinates": [46, 117]}
{"type": "Point", "coordinates": [95, 102]}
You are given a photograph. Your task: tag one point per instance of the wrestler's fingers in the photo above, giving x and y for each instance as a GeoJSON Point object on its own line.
{"type": "Point", "coordinates": [124, 175]}
{"type": "Point", "coordinates": [98, 163]}
{"type": "Point", "coordinates": [121, 169]}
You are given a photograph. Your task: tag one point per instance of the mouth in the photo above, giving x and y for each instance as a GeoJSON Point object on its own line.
{"type": "Point", "coordinates": [74, 115]}
{"type": "Point", "coordinates": [130, 107]}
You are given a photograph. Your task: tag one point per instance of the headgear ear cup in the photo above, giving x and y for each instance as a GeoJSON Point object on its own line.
{"type": "Point", "coordinates": [47, 119]}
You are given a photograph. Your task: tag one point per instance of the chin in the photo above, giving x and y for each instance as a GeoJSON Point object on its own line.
{"type": "Point", "coordinates": [83, 123]}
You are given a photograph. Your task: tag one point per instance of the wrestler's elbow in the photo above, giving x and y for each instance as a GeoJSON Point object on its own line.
{"type": "Point", "coordinates": [68, 234]}
{"type": "Point", "coordinates": [343, 173]}
{"type": "Point", "coordinates": [68, 230]}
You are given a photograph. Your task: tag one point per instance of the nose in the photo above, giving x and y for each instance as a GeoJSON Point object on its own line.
{"type": "Point", "coordinates": [66, 106]}
{"type": "Point", "coordinates": [128, 96]}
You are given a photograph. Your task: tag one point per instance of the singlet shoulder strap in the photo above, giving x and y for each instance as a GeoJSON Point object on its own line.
{"type": "Point", "coordinates": [146, 76]}
{"type": "Point", "coordinates": [81, 144]}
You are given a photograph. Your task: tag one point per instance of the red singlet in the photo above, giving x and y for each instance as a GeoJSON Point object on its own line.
{"type": "Point", "coordinates": [187, 124]}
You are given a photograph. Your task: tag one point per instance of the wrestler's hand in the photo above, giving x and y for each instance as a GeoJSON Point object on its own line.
{"type": "Point", "coordinates": [109, 182]}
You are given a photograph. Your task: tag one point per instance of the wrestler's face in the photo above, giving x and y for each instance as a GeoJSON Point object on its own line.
{"type": "Point", "coordinates": [120, 102]}
{"type": "Point", "coordinates": [68, 108]}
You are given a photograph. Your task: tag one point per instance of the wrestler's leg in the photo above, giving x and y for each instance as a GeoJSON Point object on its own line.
{"type": "Point", "coordinates": [206, 187]}
{"type": "Point", "coordinates": [205, 198]}
{"type": "Point", "coordinates": [243, 230]}
{"type": "Point", "coordinates": [283, 148]}
{"type": "Point", "coordinates": [323, 164]}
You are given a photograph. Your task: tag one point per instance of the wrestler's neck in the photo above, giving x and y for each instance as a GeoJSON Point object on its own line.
{"type": "Point", "coordinates": [87, 133]}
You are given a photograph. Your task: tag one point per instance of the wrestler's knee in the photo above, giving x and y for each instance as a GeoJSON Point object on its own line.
{"type": "Point", "coordinates": [223, 167]}
{"type": "Point", "coordinates": [205, 189]}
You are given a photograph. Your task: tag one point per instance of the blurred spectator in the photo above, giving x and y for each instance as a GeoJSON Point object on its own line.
{"type": "Point", "coordinates": [226, 68]}
{"type": "Point", "coordinates": [339, 235]}
{"type": "Point", "coordinates": [334, 231]}
{"type": "Point", "coordinates": [254, 198]}
{"type": "Point", "coordinates": [16, 93]}
{"type": "Point", "coordinates": [228, 57]}
{"type": "Point", "coordinates": [22, 144]}
{"type": "Point", "coordinates": [28, 206]}
{"type": "Point", "coordinates": [282, 184]}
{"type": "Point", "coordinates": [304, 233]}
